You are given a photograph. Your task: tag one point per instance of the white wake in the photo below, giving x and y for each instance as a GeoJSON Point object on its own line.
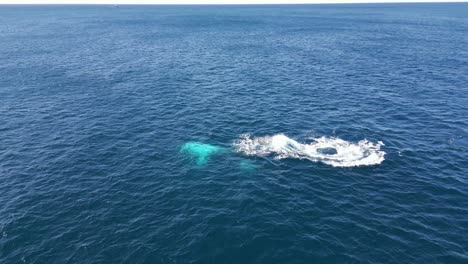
{"type": "Point", "coordinates": [329, 150]}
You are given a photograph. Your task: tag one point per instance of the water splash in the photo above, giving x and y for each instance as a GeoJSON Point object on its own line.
{"type": "Point", "coordinates": [200, 151]}
{"type": "Point", "coordinates": [329, 150]}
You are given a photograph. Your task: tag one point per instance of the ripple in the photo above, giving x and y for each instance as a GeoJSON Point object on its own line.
{"type": "Point", "coordinates": [96, 103]}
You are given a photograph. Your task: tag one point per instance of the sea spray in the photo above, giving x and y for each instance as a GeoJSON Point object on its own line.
{"type": "Point", "coordinates": [329, 150]}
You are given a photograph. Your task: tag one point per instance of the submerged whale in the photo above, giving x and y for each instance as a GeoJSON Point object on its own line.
{"type": "Point", "coordinates": [201, 152]}
{"type": "Point", "coordinates": [328, 150]}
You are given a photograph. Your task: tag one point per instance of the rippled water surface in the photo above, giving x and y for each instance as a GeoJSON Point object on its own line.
{"type": "Point", "coordinates": [240, 134]}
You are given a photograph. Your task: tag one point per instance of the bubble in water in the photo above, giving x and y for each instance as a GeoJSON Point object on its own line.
{"type": "Point", "coordinates": [201, 152]}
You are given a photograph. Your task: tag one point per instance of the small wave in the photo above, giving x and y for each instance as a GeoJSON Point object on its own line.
{"type": "Point", "coordinates": [329, 150]}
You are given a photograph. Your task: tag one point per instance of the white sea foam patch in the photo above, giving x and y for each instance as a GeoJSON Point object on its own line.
{"type": "Point", "coordinates": [329, 150]}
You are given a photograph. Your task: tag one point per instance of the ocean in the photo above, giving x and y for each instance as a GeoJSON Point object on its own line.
{"type": "Point", "coordinates": [234, 134]}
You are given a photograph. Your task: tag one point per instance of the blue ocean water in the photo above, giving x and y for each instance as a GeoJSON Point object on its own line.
{"type": "Point", "coordinates": [234, 134]}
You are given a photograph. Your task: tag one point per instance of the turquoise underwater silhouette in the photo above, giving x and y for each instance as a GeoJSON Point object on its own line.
{"type": "Point", "coordinates": [201, 152]}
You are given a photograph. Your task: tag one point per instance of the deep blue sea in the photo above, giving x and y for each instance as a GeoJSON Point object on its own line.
{"type": "Point", "coordinates": [234, 134]}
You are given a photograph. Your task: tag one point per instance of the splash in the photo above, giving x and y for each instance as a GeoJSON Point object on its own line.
{"type": "Point", "coordinates": [332, 151]}
{"type": "Point", "coordinates": [200, 151]}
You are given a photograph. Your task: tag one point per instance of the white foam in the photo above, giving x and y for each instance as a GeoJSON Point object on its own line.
{"type": "Point", "coordinates": [329, 150]}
